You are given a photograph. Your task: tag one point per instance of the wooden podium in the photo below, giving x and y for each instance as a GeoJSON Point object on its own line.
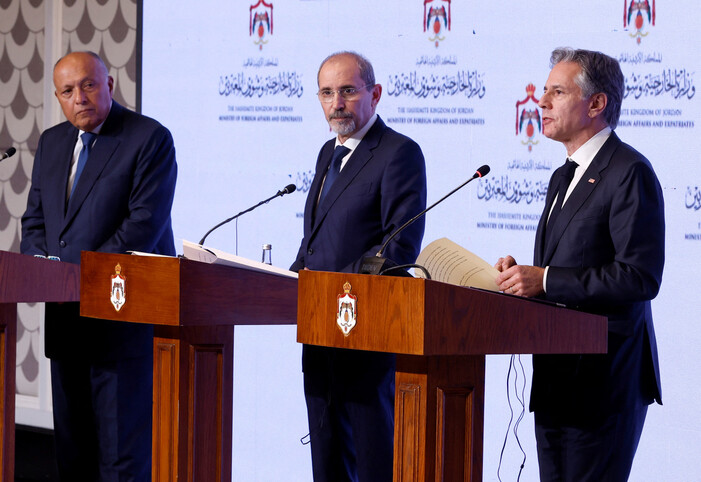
{"type": "Point", "coordinates": [441, 334]}
{"type": "Point", "coordinates": [194, 307]}
{"type": "Point", "coordinates": [24, 279]}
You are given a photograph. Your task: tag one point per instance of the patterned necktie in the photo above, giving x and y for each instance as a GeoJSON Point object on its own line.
{"type": "Point", "coordinates": [334, 169]}
{"type": "Point", "coordinates": [87, 138]}
{"type": "Point", "coordinates": [565, 179]}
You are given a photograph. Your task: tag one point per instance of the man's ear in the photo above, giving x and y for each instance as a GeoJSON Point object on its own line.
{"type": "Point", "coordinates": [597, 104]}
{"type": "Point", "coordinates": [376, 94]}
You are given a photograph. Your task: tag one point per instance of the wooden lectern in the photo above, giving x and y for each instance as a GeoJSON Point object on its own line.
{"type": "Point", "coordinates": [194, 307]}
{"type": "Point", "coordinates": [24, 279]}
{"type": "Point", "coordinates": [441, 334]}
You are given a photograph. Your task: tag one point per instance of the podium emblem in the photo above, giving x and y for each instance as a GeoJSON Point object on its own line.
{"type": "Point", "coordinates": [346, 311]}
{"type": "Point", "coordinates": [118, 291]}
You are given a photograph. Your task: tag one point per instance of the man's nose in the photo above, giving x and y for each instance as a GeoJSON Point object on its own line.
{"type": "Point", "coordinates": [338, 101]}
{"type": "Point", "coordinates": [79, 96]}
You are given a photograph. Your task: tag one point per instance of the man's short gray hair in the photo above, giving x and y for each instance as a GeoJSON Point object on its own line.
{"type": "Point", "coordinates": [599, 74]}
{"type": "Point", "coordinates": [364, 66]}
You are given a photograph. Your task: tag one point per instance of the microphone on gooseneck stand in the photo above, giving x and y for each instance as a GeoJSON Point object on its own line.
{"type": "Point", "coordinates": [8, 153]}
{"type": "Point", "coordinates": [379, 265]}
{"type": "Point", "coordinates": [290, 188]}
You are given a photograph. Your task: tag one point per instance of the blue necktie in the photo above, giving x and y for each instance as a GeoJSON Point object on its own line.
{"type": "Point", "coordinates": [87, 138]}
{"type": "Point", "coordinates": [334, 170]}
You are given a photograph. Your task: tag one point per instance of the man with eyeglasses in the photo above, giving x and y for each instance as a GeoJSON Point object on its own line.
{"type": "Point", "coordinates": [369, 181]}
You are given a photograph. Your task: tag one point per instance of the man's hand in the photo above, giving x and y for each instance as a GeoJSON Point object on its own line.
{"type": "Point", "coordinates": [519, 279]}
{"type": "Point", "coordinates": [505, 263]}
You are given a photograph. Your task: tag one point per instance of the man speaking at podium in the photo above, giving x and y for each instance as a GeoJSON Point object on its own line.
{"type": "Point", "coordinates": [103, 181]}
{"type": "Point", "coordinates": [369, 181]}
{"type": "Point", "coordinates": [599, 247]}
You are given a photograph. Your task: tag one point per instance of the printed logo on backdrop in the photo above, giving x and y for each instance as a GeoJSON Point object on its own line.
{"type": "Point", "coordinates": [516, 191]}
{"type": "Point", "coordinates": [260, 24]}
{"type": "Point", "coordinates": [638, 15]}
{"type": "Point", "coordinates": [528, 124]}
{"type": "Point", "coordinates": [692, 203]}
{"type": "Point", "coordinates": [656, 94]}
{"type": "Point", "coordinates": [437, 90]}
{"type": "Point", "coordinates": [260, 90]}
{"type": "Point", "coordinates": [436, 20]}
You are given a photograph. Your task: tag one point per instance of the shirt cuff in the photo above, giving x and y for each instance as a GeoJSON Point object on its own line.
{"type": "Point", "coordinates": [545, 278]}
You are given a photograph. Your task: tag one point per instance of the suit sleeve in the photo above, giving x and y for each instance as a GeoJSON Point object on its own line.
{"type": "Point", "coordinates": [402, 196]}
{"type": "Point", "coordinates": [298, 263]}
{"type": "Point", "coordinates": [33, 227]}
{"type": "Point", "coordinates": [151, 197]}
{"type": "Point", "coordinates": [622, 257]}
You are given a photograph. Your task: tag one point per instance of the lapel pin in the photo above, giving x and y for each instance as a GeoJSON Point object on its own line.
{"type": "Point", "coordinates": [592, 180]}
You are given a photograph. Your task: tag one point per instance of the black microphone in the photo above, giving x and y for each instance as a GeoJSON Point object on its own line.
{"type": "Point", "coordinates": [290, 188]}
{"type": "Point", "coordinates": [8, 153]}
{"type": "Point", "coordinates": [377, 264]}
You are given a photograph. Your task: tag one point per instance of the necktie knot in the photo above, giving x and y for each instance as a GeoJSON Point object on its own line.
{"type": "Point", "coordinates": [566, 175]}
{"type": "Point", "coordinates": [87, 138]}
{"type": "Point", "coordinates": [334, 169]}
{"type": "Point", "coordinates": [338, 154]}
{"type": "Point", "coordinates": [568, 171]}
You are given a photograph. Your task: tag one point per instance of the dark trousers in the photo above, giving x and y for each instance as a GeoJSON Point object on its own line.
{"type": "Point", "coordinates": [350, 407]}
{"type": "Point", "coordinates": [102, 419]}
{"type": "Point", "coordinates": [588, 452]}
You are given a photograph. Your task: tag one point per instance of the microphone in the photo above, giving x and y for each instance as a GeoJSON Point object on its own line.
{"type": "Point", "coordinates": [377, 264]}
{"type": "Point", "coordinates": [290, 188]}
{"type": "Point", "coordinates": [8, 153]}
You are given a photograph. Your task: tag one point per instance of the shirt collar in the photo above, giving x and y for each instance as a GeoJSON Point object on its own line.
{"type": "Point", "coordinates": [585, 154]}
{"type": "Point", "coordinates": [353, 141]}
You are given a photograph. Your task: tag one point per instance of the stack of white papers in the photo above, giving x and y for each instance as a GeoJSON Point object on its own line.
{"type": "Point", "coordinates": [196, 252]}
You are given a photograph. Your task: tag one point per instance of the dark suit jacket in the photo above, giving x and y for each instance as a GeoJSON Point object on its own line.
{"type": "Point", "coordinates": [606, 257]}
{"type": "Point", "coordinates": [382, 186]}
{"type": "Point", "coordinates": [122, 202]}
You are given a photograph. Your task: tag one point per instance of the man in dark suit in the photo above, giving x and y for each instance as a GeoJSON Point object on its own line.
{"type": "Point", "coordinates": [348, 215]}
{"type": "Point", "coordinates": [601, 252]}
{"type": "Point", "coordinates": [110, 190]}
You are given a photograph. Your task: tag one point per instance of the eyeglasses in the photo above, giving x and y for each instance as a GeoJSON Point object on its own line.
{"type": "Point", "coordinates": [348, 93]}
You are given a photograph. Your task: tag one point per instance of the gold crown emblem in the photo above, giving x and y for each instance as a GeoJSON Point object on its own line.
{"type": "Point", "coordinates": [118, 269]}
{"type": "Point", "coordinates": [346, 287]}
{"type": "Point", "coordinates": [530, 89]}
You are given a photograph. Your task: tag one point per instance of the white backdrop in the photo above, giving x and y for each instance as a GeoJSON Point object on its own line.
{"type": "Point", "coordinates": [236, 83]}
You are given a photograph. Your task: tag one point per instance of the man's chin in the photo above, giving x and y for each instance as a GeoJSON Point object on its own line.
{"type": "Point", "coordinates": [85, 123]}
{"type": "Point", "coordinates": [342, 128]}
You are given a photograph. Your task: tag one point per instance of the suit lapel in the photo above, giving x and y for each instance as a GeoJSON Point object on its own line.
{"type": "Point", "coordinates": [540, 232]}
{"type": "Point", "coordinates": [58, 169]}
{"type": "Point", "coordinates": [360, 157]}
{"type": "Point", "coordinates": [322, 166]}
{"type": "Point", "coordinates": [584, 188]}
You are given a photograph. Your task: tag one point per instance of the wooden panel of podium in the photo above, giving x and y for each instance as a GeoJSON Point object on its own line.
{"type": "Point", "coordinates": [24, 279]}
{"type": "Point", "coordinates": [441, 334]}
{"type": "Point", "coordinates": [194, 308]}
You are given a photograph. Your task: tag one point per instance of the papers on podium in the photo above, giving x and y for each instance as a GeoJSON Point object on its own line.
{"type": "Point", "coordinates": [450, 263]}
{"type": "Point", "coordinates": [196, 252]}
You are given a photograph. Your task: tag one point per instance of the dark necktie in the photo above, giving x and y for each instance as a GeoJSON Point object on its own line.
{"type": "Point", "coordinates": [87, 138]}
{"type": "Point", "coordinates": [566, 176]}
{"type": "Point", "coordinates": [334, 169]}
